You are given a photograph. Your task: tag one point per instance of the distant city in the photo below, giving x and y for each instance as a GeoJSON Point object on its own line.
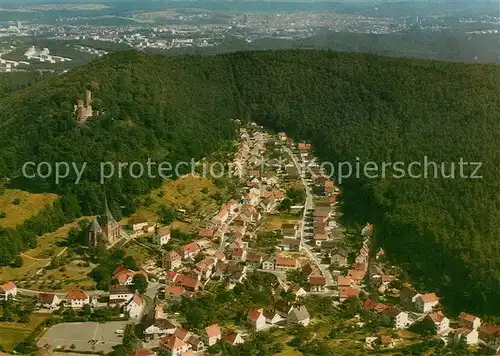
{"type": "Point", "coordinates": [63, 33]}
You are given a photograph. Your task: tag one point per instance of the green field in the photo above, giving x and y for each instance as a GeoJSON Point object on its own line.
{"type": "Point", "coordinates": [30, 204]}
{"type": "Point", "coordinates": [12, 334]}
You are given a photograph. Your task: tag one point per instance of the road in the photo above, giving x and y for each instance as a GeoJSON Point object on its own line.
{"type": "Point", "coordinates": [224, 227]}
{"type": "Point", "coordinates": [309, 204]}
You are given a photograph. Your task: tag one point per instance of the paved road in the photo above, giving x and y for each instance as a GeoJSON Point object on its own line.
{"type": "Point", "coordinates": [34, 293]}
{"type": "Point", "coordinates": [224, 228]}
{"type": "Point", "coordinates": [309, 204]}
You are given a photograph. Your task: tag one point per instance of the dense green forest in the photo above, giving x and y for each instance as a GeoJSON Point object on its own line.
{"type": "Point", "coordinates": [444, 231]}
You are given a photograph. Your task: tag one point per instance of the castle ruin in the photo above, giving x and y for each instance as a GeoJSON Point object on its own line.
{"type": "Point", "coordinates": [84, 110]}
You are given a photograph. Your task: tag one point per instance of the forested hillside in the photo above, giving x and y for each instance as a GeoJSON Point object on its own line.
{"type": "Point", "coordinates": [348, 105]}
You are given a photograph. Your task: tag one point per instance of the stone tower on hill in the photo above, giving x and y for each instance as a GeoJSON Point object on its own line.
{"type": "Point", "coordinates": [84, 110]}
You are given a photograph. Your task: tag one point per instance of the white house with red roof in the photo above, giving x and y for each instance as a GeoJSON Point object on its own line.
{"type": "Point", "coordinates": [317, 283]}
{"type": "Point", "coordinates": [125, 276]}
{"type": "Point", "coordinates": [174, 345]}
{"type": "Point", "coordinates": [8, 290]}
{"type": "Point", "coordinates": [441, 322]}
{"type": "Point", "coordinates": [283, 263]}
{"type": "Point", "coordinates": [471, 336]}
{"type": "Point", "coordinates": [77, 298]}
{"type": "Point", "coordinates": [221, 217]}
{"type": "Point", "coordinates": [257, 319]}
{"type": "Point", "coordinates": [231, 206]}
{"type": "Point", "coordinates": [233, 338]}
{"type": "Point", "coordinates": [190, 250]}
{"type": "Point", "coordinates": [135, 307]}
{"type": "Point", "coordinates": [469, 320]}
{"type": "Point", "coordinates": [239, 254]}
{"type": "Point", "coordinates": [346, 292]}
{"type": "Point", "coordinates": [162, 236]}
{"type": "Point", "coordinates": [49, 300]}
{"type": "Point", "coordinates": [212, 334]}
{"type": "Point", "coordinates": [171, 260]}
{"type": "Point", "coordinates": [425, 302]}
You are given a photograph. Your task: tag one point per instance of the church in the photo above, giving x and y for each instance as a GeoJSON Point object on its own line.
{"type": "Point", "coordinates": [104, 228]}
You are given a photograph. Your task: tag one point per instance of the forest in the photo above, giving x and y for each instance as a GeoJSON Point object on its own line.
{"type": "Point", "coordinates": [442, 230]}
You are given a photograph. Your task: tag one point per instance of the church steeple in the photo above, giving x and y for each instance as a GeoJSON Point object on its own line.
{"type": "Point", "coordinates": [109, 217]}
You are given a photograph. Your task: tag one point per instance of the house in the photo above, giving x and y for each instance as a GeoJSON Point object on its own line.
{"type": "Point", "coordinates": [142, 352]}
{"type": "Point", "coordinates": [299, 315]}
{"type": "Point", "coordinates": [174, 293]}
{"type": "Point", "coordinates": [398, 317]}
{"type": "Point", "coordinates": [285, 263]}
{"type": "Point", "coordinates": [182, 333]}
{"type": "Point", "coordinates": [319, 238]}
{"type": "Point", "coordinates": [189, 283]}
{"type": "Point", "coordinates": [288, 244]}
{"type": "Point", "coordinates": [268, 264]}
{"type": "Point", "coordinates": [212, 334]}
{"type": "Point", "coordinates": [49, 300]}
{"type": "Point", "coordinates": [161, 236]}
{"type": "Point", "coordinates": [469, 320]}
{"type": "Point", "coordinates": [138, 223]}
{"type": "Point", "coordinates": [490, 334]}
{"type": "Point", "coordinates": [367, 230]}
{"type": "Point", "coordinates": [205, 267]}
{"type": "Point", "coordinates": [195, 342]}
{"type": "Point", "coordinates": [256, 318]}
{"type": "Point", "coordinates": [221, 217]}
{"type": "Point", "coordinates": [425, 302]}
{"type": "Point", "coordinates": [171, 260]}
{"type": "Point", "coordinates": [190, 250]}
{"type": "Point", "coordinates": [135, 307]}
{"type": "Point", "coordinates": [158, 327]}
{"type": "Point", "coordinates": [272, 317]}
{"type": "Point", "coordinates": [77, 298]}
{"type": "Point", "coordinates": [347, 292]}
{"type": "Point", "coordinates": [297, 291]}
{"type": "Point", "coordinates": [356, 276]}
{"type": "Point", "coordinates": [290, 230]}
{"type": "Point", "coordinates": [171, 277]}
{"type": "Point", "coordinates": [8, 290]}
{"type": "Point", "coordinates": [407, 296]}
{"type": "Point", "coordinates": [233, 338]}
{"type": "Point", "coordinates": [158, 312]}
{"type": "Point", "coordinates": [361, 258]}
{"type": "Point", "coordinates": [344, 281]}
{"type": "Point", "coordinates": [232, 206]}
{"type": "Point", "coordinates": [338, 257]}
{"type": "Point", "coordinates": [369, 304]}
{"type": "Point", "coordinates": [317, 283]}
{"type": "Point", "coordinates": [386, 341]}
{"type": "Point", "coordinates": [120, 294]}
{"type": "Point", "coordinates": [125, 276]}
{"type": "Point", "coordinates": [207, 232]}
{"type": "Point", "coordinates": [441, 322]}
{"type": "Point", "coordinates": [239, 254]}
{"type": "Point", "coordinates": [174, 345]}
{"type": "Point", "coordinates": [254, 259]}
{"type": "Point", "coordinates": [471, 336]}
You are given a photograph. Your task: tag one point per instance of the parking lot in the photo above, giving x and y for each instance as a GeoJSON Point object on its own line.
{"type": "Point", "coordinates": [93, 337]}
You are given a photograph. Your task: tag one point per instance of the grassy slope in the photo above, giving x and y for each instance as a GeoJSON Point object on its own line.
{"type": "Point", "coordinates": [30, 205]}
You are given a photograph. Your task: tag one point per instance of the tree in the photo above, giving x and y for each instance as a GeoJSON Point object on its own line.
{"type": "Point", "coordinates": [18, 262]}
{"type": "Point", "coordinates": [130, 263]}
{"type": "Point", "coordinates": [167, 215]}
{"type": "Point", "coordinates": [296, 195]}
{"type": "Point", "coordinates": [140, 283]}
{"type": "Point", "coordinates": [285, 205]}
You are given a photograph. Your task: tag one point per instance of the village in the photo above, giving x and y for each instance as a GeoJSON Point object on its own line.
{"type": "Point", "coordinates": [287, 224]}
